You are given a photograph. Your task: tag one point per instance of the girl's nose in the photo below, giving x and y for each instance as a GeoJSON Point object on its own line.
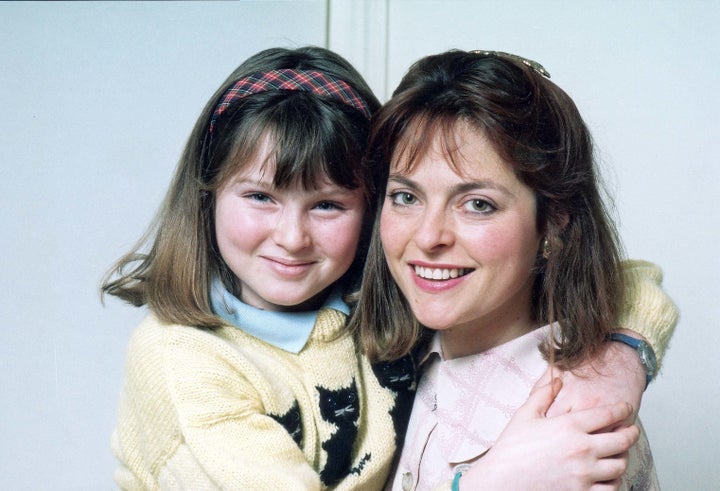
{"type": "Point", "coordinates": [291, 232]}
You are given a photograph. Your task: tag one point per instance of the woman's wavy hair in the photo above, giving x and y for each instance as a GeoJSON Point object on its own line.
{"type": "Point", "coordinates": [536, 128]}
{"type": "Point", "coordinates": [172, 266]}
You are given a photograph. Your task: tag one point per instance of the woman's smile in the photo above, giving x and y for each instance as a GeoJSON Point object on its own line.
{"type": "Point", "coordinates": [438, 273]}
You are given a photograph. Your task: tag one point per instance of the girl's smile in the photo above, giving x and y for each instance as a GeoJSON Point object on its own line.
{"type": "Point", "coordinates": [288, 266]}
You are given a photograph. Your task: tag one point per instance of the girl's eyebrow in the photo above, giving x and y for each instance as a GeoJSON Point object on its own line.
{"type": "Point", "coordinates": [262, 181]}
{"type": "Point", "coordinates": [459, 188]}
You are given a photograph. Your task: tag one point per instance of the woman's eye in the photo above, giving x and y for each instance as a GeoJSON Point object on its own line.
{"type": "Point", "coordinates": [480, 206]}
{"type": "Point", "coordinates": [402, 198]}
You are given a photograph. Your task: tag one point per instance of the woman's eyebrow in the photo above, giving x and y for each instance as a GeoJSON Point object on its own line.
{"type": "Point", "coordinates": [401, 179]}
{"type": "Point", "coordinates": [466, 186]}
{"type": "Point", "coordinates": [462, 187]}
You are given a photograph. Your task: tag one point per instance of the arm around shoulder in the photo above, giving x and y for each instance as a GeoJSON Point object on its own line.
{"type": "Point", "coordinates": [648, 310]}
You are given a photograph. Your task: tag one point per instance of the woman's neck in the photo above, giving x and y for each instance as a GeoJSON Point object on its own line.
{"type": "Point", "coordinates": [466, 340]}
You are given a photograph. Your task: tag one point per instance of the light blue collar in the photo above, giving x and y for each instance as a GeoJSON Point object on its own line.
{"type": "Point", "coordinates": [286, 330]}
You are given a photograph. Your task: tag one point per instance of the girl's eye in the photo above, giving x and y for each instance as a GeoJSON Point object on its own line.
{"type": "Point", "coordinates": [327, 206]}
{"type": "Point", "coordinates": [402, 198]}
{"type": "Point", "coordinates": [260, 197]}
{"type": "Point", "coordinates": [480, 206]}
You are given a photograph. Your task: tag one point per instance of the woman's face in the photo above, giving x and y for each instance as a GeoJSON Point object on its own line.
{"type": "Point", "coordinates": [461, 245]}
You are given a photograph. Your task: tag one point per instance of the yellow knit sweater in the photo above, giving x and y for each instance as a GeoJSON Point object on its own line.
{"type": "Point", "coordinates": [224, 410]}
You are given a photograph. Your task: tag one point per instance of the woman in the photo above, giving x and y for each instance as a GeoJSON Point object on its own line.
{"type": "Point", "coordinates": [492, 242]}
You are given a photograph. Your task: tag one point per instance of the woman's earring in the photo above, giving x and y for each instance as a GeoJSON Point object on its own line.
{"type": "Point", "coordinates": [546, 248]}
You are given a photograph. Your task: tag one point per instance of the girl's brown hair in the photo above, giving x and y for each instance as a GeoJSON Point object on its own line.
{"type": "Point", "coordinates": [536, 128]}
{"type": "Point", "coordinates": [172, 266]}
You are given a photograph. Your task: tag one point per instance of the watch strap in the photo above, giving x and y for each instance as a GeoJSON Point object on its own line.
{"type": "Point", "coordinates": [636, 344]}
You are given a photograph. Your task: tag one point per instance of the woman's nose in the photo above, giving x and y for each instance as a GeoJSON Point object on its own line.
{"type": "Point", "coordinates": [435, 229]}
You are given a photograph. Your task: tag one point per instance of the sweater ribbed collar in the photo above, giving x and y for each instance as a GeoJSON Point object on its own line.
{"type": "Point", "coordinates": [288, 331]}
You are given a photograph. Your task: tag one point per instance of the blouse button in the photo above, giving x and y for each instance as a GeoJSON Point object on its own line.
{"type": "Point", "coordinates": [407, 481]}
{"type": "Point", "coordinates": [461, 468]}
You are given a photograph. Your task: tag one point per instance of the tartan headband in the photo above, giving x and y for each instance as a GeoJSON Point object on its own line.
{"type": "Point", "coordinates": [287, 79]}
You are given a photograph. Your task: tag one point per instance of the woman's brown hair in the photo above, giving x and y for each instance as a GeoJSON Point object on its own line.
{"type": "Point", "coordinates": [536, 128]}
{"type": "Point", "coordinates": [171, 268]}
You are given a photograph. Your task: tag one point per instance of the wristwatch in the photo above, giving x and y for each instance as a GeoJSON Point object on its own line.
{"type": "Point", "coordinates": [647, 355]}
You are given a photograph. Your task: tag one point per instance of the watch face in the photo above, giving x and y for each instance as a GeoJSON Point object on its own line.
{"type": "Point", "coordinates": [647, 357]}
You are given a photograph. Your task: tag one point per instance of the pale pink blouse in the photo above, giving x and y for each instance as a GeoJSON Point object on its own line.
{"type": "Point", "coordinates": [462, 406]}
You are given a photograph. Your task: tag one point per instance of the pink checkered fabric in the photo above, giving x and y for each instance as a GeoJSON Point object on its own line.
{"type": "Point", "coordinates": [287, 79]}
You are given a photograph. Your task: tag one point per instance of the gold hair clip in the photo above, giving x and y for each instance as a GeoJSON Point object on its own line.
{"type": "Point", "coordinates": [501, 54]}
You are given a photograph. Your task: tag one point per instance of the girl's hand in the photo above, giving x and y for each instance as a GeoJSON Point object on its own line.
{"type": "Point", "coordinates": [537, 452]}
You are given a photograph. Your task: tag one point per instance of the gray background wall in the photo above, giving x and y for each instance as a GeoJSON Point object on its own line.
{"type": "Point", "coordinates": [97, 100]}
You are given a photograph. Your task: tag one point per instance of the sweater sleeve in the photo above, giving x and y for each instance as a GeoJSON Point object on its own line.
{"type": "Point", "coordinates": [648, 310]}
{"type": "Point", "coordinates": [193, 418]}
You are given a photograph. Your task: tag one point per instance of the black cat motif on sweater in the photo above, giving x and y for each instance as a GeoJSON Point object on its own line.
{"type": "Point", "coordinates": [400, 377]}
{"type": "Point", "coordinates": [340, 407]}
{"type": "Point", "coordinates": [292, 423]}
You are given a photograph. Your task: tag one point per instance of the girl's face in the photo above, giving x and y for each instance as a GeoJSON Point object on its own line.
{"type": "Point", "coordinates": [461, 246]}
{"type": "Point", "coordinates": [287, 246]}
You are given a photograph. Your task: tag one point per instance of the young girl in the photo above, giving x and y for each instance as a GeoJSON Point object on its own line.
{"type": "Point", "coordinates": [494, 232]}
{"type": "Point", "coordinates": [243, 376]}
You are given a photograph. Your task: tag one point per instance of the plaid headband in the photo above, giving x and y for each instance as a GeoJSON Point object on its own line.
{"type": "Point", "coordinates": [288, 79]}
